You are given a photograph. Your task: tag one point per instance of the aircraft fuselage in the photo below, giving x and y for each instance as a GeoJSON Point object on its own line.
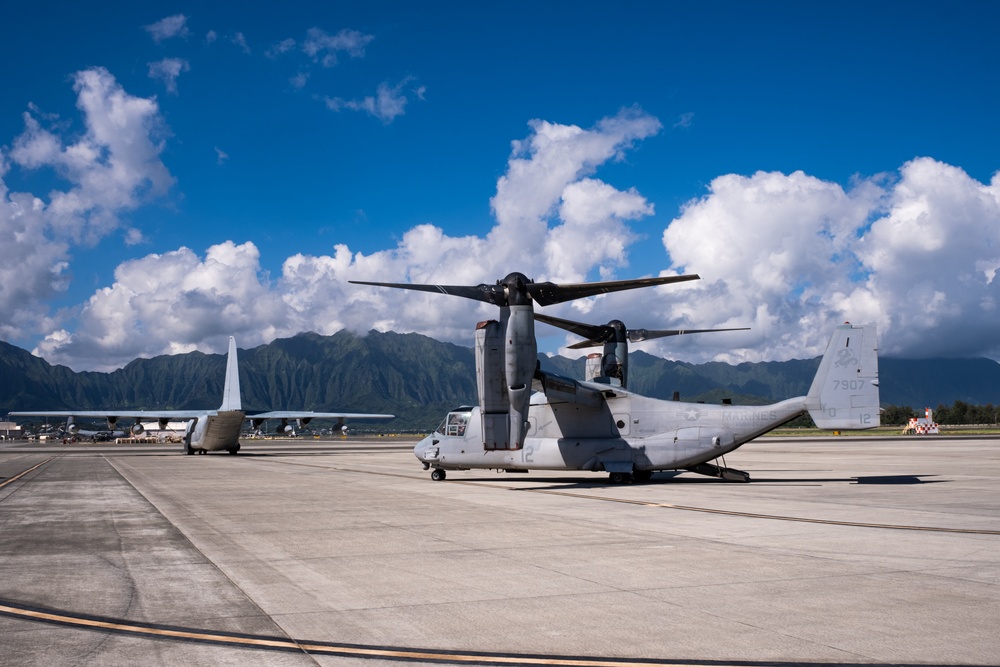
{"type": "Point", "coordinates": [215, 431]}
{"type": "Point", "coordinates": [629, 433]}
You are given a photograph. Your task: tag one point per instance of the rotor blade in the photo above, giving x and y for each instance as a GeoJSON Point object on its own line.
{"type": "Point", "coordinates": [546, 294]}
{"type": "Point", "coordinates": [488, 293]}
{"type": "Point", "coordinates": [598, 333]}
{"type": "Point", "coordinates": [586, 343]}
{"type": "Point", "coordinates": [636, 335]}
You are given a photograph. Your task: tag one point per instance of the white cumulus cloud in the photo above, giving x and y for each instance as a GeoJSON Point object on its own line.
{"type": "Point", "coordinates": [112, 168]}
{"type": "Point", "coordinates": [166, 28]}
{"type": "Point", "coordinates": [932, 259]}
{"type": "Point", "coordinates": [167, 71]}
{"type": "Point", "coordinates": [791, 255]}
{"type": "Point", "coordinates": [240, 40]}
{"type": "Point", "coordinates": [387, 103]}
{"type": "Point", "coordinates": [324, 48]}
{"type": "Point", "coordinates": [173, 300]}
{"type": "Point", "coordinates": [776, 252]}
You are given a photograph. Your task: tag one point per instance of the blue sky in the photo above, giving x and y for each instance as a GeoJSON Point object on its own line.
{"type": "Point", "coordinates": [172, 173]}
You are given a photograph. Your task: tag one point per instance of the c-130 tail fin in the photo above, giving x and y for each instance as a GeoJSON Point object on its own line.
{"type": "Point", "coordinates": [231, 393]}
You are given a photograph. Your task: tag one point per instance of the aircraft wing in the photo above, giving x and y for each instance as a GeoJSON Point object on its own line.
{"type": "Point", "coordinates": [559, 389]}
{"type": "Point", "coordinates": [305, 416]}
{"type": "Point", "coordinates": [114, 415]}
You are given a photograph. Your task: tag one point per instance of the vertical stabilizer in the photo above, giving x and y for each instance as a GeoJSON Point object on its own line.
{"type": "Point", "coordinates": [231, 394]}
{"type": "Point", "coordinates": [844, 393]}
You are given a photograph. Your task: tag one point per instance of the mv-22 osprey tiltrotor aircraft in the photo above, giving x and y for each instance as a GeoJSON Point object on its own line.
{"type": "Point", "coordinates": [571, 425]}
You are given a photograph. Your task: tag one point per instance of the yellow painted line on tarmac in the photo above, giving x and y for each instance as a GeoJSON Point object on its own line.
{"type": "Point", "coordinates": [358, 651]}
{"type": "Point", "coordinates": [92, 623]}
{"type": "Point", "coordinates": [20, 475]}
{"type": "Point", "coordinates": [325, 648]}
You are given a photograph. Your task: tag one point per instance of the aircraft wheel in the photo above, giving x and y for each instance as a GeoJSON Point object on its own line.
{"type": "Point", "coordinates": [233, 450]}
{"type": "Point", "coordinates": [438, 475]}
{"type": "Point", "coordinates": [620, 478]}
{"type": "Point", "coordinates": [642, 475]}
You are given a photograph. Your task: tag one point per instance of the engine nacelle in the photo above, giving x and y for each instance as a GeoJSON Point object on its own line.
{"type": "Point", "coordinates": [137, 429]}
{"type": "Point", "coordinates": [494, 401]}
{"type": "Point", "coordinates": [593, 367]}
{"type": "Point", "coordinates": [71, 427]}
{"type": "Point", "coordinates": [284, 428]}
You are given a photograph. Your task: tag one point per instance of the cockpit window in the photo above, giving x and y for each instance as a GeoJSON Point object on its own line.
{"type": "Point", "coordinates": [456, 423]}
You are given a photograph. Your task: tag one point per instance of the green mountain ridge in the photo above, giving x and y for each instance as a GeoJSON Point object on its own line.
{"type": "Point", "coordinates": [419, 379]}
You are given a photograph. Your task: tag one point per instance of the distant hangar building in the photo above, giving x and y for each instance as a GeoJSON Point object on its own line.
{"type": "Point", "coordinates": [9, 430]}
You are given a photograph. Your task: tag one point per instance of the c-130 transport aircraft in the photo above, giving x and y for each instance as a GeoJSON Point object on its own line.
{"type": "Point", "coordinates": [207, 430]}
{"type": "Point", "coordinates": [598, 426]}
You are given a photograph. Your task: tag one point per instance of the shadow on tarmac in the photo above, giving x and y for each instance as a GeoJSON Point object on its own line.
{"type": "Point", "coordinates": [676, 478]}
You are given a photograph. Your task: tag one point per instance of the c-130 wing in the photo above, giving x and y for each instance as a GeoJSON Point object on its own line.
{"type": "Point", "coordinates": [286, 414]}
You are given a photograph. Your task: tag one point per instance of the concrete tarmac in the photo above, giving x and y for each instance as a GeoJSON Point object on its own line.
{"type": "Point", "coordinates": [840, 551]}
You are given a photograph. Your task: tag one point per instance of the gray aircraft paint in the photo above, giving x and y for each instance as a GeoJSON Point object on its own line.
{"type": "Point", "coordinates": [626, 432]}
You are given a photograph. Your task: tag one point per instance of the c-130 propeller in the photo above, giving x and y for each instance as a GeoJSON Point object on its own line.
{"type": "Point", "coordinates": [516, 295]}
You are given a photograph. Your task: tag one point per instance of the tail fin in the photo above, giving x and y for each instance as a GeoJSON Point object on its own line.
{"type": "Point", "coordinates": [844, 393]}
{"type": "Point", "coordinates": [231, 394]}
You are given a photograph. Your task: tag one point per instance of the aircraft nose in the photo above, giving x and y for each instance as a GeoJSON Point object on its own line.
{"type": "Point", "coordinates": [425, 449]}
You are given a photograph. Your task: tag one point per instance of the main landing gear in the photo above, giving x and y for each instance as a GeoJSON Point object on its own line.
{"type": "Point", "coordinates": [438, 475]}
{"type": "Point", "coordinates": [188, 449]}
{"type": "Point", "coordinates": [629, 477]}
